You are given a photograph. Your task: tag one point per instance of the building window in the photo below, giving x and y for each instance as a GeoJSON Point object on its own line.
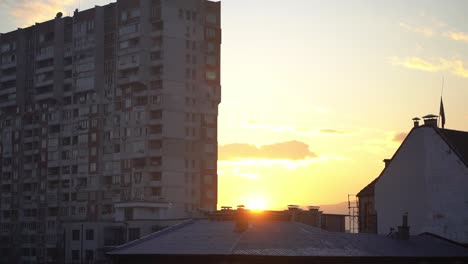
{"type": "Point", "coordinates": [211, 60]}
{"type": "Point", "coordinates": [156, 176]}
{"type": "Point", "coordinates": [211, 18]}
{"type": "Point", "coordinates": [211, 75]}
{"type": "Point", "coordinates": [156, 191]}
{"type": "Point", "coordinates": [210, 33]}
{"type": "Point", "coordinates": [133, 234]}
{"type": "Point", "coordinates": [128, 213]}
{"type": "Point", "coordinates": [89, 234]}
{"type": "Point", "coordinates": [75, 255]}
{"type": "Point", "coordinates": [106, 209]}
{"type": "Point", "coordinates": [75, 234]}
{"type": "Point", "coordinates": [89, 256]}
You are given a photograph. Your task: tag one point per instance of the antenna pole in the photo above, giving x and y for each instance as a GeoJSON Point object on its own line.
{"type": "Point", "coordinates": [439, 120]}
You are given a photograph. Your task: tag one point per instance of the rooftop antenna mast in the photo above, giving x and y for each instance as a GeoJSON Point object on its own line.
{"type": "Point", "coordinates": [441, 118]}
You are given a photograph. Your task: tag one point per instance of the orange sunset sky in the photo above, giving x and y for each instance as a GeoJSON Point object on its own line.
{"type": "Point", "coordinates": [317, 93]}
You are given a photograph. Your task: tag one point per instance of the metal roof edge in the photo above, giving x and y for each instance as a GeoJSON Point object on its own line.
{"type": "Point", "coordinates": [150, 236]}
{"type": "Point", "coordinates": [443, 238]}
{"type": "Point", "coordinates": [453, 148]}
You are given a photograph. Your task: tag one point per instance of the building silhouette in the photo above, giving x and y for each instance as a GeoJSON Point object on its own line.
{"type": "Point", "coordinates": [108, 127]}
{"type": "Point", "coordinates": [424, 180]}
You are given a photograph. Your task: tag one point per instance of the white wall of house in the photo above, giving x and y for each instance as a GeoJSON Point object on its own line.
{"type": "Point", "coordinates": [427, 180]}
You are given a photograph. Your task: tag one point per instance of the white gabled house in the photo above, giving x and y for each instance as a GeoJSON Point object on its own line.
{"type": "Point", "coordinates": [427, 178]}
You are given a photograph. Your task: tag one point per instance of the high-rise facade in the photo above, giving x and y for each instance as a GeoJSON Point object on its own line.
{"type": "Point", "coordinates": [108, 127]}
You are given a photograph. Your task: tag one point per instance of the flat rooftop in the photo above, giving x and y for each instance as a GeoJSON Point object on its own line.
{"type": "Point", "coordinates": [282, 238]}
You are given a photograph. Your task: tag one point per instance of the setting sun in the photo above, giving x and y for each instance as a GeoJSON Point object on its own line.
{"type": "Point", "coordinates": [256, 204]}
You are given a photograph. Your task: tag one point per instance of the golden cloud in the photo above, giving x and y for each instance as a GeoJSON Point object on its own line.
{"type": "Point", "coordinates": [399, 137]}
{"type": "Point", "coordinates": [458, 36]}
{"type": "Point", "coordinates": [292, 150]}
{"type": "Point", "coordinates": [27, 13]}
{"type": "Point", "coordinates": [332, 131]}
{"type": "Point", "coordinates": [416, 63]}
{"type": "Point", "coordinates": [456, 67]}
{"type": "Point", "coordinates": [425, 31]}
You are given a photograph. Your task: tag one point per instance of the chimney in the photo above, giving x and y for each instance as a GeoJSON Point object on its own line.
{"type": "Point", "coordinates": [416, 121]}
{"type": "Point", "coordinates": [430, 120]}
{"type": "Point", "coordinates": [387, 161]}
{"type": "Point", "coordinates": [294, 212]}
{"type": "Point", "coordinates": [241, 218]}
{"type": "Point", "coordinates": [403, 230]}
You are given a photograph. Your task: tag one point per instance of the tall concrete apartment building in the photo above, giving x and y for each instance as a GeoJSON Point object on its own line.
{"type": "Point", "coordinates": [108, 127]}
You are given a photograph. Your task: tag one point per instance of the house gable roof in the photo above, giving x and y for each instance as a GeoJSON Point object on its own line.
{"type": "Point", "coordinates": [456, 140]}
{"type": "Point", "coordinates": [369, 189]}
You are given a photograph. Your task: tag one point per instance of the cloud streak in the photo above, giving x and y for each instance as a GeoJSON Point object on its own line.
{"type": "Point", "coordinates": [27, 13]}
{"type": "Point", "coordinates": [399, 137]}
{"type": "Point", "coordinates": [332, 131]}
{"type": "Point", "coordinates": [292, 150]}
{"type": "Point", "coordinates": [458, 36]}
{"type": "Point", "coordinates": [294, 130]}
{"type": "Point", "coordinates": [425, 31]}
{"type": "Point", "coordinates": [455, 66]}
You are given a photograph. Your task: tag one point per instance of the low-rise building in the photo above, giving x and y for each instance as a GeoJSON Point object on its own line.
{"type": "Point", "coordinates": [427, 179]}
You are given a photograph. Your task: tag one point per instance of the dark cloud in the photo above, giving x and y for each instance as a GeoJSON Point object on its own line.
{"type": "Point", "coordinates": [293, 150]}
{"type": "Point", "coordinates": [399, 137]}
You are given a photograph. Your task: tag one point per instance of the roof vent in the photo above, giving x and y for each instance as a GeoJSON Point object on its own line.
{"type": "Point", "coordinates": [416, 121]}
{"type": "Point", "coordinates": [387, 162]}
{"type": "Point", "coordinates": [404, 229]}
{"type": "Point", "coordinates": [430, 120]}
{"type": "Point", "coordinates": [59, 15]}
{"type": "Point", "coordinates": [242, 219]}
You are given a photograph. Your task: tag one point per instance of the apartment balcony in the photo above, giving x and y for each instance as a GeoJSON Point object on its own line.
{"type": "Point", "coordinates": [155, 121]}
{"type": "Point", "coordinates": [8, 65]}
{"type": "Point", "coordinates": [155, 153]}
{"type": "Point", "coordinates": [29, 259]}
{"type": "Point", "coordinates": [7, 103]}
{"type": "Point", "coordinates": [44, 96]}
{"type": "Point", "coordinates": [68, 67]}
{"type": "Point", "coordinates": [157, 30]}
{"type": "Point", "coordinates": [155, 136]}
{"type": "Point", "coordinates": [129, 65]}
{"type": "Point", "coordinates": [44, 69]}
{"type": "Point", "coordinates": [43, 56]}
{"type": "Point", "coordinates": [143, 204]}
{"type": "Point", "coordinates": [156, 62]}
{"type": "Point", "coordinates": [8, 91]}
{"type": "Point", "coordinates": [6, 78]}
{"type": "Point", "coordinates": [128, 79]}
{"type": "Point", "coordinates": [152, 183]}
{"type": "Point", "coordinates": [129, 50]}
{"type": "Point", "coordinates": [156, 47]}
{"type": "Point", "coordinates": [128, 36]}
{"type": "Point", "coordinates": [5, 206]}
{"type": "Point", "coordinates": [44, 82]}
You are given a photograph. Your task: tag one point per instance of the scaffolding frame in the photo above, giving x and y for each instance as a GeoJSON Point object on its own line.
{"type": "Point", "coordinates": [353, 213]}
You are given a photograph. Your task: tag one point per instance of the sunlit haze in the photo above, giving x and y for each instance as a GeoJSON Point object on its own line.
{"type": "Point", "coordinates": [317, 93]}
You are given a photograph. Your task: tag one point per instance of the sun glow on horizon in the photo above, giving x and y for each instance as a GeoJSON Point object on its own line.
{"type": "Point", "coordinates": [256, 203]}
